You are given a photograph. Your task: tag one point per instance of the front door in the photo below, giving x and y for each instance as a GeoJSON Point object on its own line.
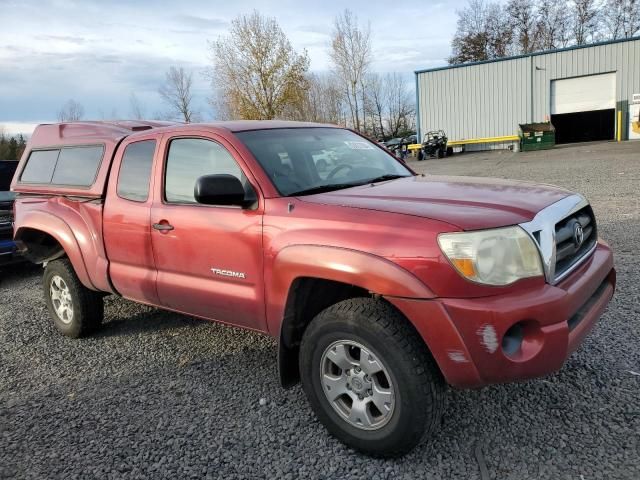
{"type": "Point", "coordinates": [208, 258]}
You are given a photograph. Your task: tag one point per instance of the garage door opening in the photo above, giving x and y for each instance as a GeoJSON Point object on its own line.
{"type": "Point", "coordinates": [585, 126]}
{"type": "Point", "coordinates": [583, 108]}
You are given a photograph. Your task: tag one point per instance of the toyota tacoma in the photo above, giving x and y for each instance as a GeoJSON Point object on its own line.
{"type": "Point", "coordinates": [381, 286]}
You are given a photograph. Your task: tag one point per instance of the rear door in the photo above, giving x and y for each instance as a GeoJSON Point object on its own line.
{"type": "Point", "coordinates": [126, 220]}
{"type": "Point", "coordinates": [209, 258]}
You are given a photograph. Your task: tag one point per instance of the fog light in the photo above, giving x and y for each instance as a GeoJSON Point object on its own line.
{"type": "Point", "coordinates": [523, 341]}
{"type": "Point", "coordinates": [512, 340]}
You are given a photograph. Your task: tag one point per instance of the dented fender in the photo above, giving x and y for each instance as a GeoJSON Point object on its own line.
{"type": "Point", "coordinates": [370, 272]}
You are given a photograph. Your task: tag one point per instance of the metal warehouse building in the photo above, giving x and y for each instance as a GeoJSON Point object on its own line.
{"type": "Point", "coordinates": [586, 91]}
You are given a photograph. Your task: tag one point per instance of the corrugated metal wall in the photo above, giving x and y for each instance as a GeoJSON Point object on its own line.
{"type": "Point", "coordinates": [491, 99]}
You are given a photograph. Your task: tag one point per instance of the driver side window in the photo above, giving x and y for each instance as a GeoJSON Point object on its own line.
{"type": "Point", "coordinates": [190, 159]}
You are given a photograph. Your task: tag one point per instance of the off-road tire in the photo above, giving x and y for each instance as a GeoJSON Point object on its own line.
{"type": "Point", "coordinates": [418, 383]}
{"type": "Point", "coordinates": [88, 305]}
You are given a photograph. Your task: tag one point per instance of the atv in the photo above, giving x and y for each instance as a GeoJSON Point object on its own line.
{"type": "Point", "coordinates": [434, 145]}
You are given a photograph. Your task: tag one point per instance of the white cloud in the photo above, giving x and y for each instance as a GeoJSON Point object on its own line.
{"type": "Point", "coordinates": [15, 128]}
{"type": "Point", "coordinates": [100, 52]}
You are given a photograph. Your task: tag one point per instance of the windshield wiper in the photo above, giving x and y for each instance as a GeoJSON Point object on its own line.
{"type": "Point", "coordinates": [386, 176]}
{"type": "Point", "coordinates": [324, 188]}
{"type": "Point", "coordinates": [338, 186]}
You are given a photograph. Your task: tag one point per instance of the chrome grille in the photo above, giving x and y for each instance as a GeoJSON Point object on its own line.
{"type": "Point", "coordinates": [569, 249]}
{"type": "Point", "coordinates": [553, 230]}
{"type": "Point", "coordinates": [6, 217]}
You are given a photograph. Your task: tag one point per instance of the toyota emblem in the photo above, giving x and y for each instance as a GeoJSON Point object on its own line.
{"type": "Point", "coordinates": [578, 235]}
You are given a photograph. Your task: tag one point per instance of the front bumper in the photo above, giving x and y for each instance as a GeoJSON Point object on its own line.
{"type": "Point", "coordinates": [467, 336]}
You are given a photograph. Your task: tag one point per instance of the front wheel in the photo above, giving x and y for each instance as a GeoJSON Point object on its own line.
{"type": "Point", "coordinates": [370, 378]}
{"type": "Point", "coordinates": [76, 311]}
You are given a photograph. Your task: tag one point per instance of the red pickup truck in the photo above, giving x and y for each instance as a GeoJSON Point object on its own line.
{"type": "Point", "coordinates": [380, 285]}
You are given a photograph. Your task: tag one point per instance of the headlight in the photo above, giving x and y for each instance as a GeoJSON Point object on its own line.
{"type": "Point", "coordinates": [493, 257]}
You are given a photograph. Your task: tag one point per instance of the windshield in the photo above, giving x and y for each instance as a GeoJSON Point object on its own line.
{"type": "Point", "coordinates": [311, 160]}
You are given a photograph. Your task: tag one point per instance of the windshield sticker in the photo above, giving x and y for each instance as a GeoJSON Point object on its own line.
{"type": "Point", "coordinates": [359, 145]}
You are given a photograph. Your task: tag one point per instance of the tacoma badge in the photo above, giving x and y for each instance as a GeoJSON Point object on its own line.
{"type": "Point", "coordinates": [228, 273]}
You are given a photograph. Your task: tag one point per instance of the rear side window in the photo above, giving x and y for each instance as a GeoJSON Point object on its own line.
{"type": "Point", "coordinates": [40, 166]}
{"type": "Point", "coordinates": [70, 166]}
{"type": "Point", "coordinates": [77, 166]}
{"type": "Point", "coordinates": [135, 171]}
{"type": "Point", "coordinates": [190, 159]}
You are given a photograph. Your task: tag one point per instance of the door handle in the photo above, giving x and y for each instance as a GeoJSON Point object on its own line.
{"type": "Point", "coordinates": [163, 227]}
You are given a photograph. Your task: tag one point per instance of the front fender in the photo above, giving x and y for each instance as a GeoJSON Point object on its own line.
{"type": "Point", "coordinates": [370, 272]}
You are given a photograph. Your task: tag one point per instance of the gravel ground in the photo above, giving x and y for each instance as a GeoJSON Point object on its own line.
{"type": "Point", "coordinates": [159, 395]}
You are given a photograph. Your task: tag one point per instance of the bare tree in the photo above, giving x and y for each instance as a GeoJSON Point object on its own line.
{"type": "Point", "coordinates": [136, 109]}
{"type": "Point", "coordinates": [400, 107]}
{"type": "Point", "coordinates": [483, 33]}
{"type": "Point", "coordinates": [631, 23]}
{"type": "Point", "coordinates": [621, 18]}
{"type": "Point", "coordinates": [351, 57]}
{"type": "Point", "coordinates": [522, 16]}
{"type": "Point", "coordinates": [553, 25]}
{"type": "Point", "coordinates": [390, 106]}
{"type": "Point", "coordinates": [499, 31]}
{"type": "Point", "coordinates": [324, 101]}
{"type": "Point", "coordinates": [256, 73]}
{"type": "Point", "coordinates": [176, 92]}
{"type": "Point", "coordinates": [376, 104]}
{"type": "Point", "coordinates": [71, 111]}
{"type": "Point", "coordinates": [586, 19]}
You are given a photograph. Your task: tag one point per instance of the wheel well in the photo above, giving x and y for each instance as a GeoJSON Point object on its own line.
{"type": "Point", "coordinates": [307, 297]}
{"type": "Point", "coordinates": [38, 246]}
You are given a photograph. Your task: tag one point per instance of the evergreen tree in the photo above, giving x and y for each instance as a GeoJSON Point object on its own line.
{"type": "Point", "coordinates": [13, 149]}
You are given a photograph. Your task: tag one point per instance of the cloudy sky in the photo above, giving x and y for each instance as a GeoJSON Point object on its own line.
{"type": "Point", "coordinates": [100, 52]}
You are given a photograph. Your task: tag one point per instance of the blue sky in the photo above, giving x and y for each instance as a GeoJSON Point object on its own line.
{"type": "Point", "coordinates": [100, 52]}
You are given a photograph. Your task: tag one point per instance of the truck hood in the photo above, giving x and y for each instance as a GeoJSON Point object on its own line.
{"type": "Point", "coordinates": [470, 203]}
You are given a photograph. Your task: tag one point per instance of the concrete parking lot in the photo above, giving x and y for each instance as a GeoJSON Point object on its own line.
{"type": "Point", "coordinates": [159, 395]}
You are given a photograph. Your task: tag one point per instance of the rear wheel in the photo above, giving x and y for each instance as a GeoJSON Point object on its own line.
{"type": "Point", "coordinates": [441, 152]}
{"type": "Point", "coordinates": [76, 311]}
{"type": "Point", "coordinates": [370, 378]}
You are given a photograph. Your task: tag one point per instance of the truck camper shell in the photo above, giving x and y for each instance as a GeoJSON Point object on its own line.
{"type": "Point", "coordinates": [52, 139]}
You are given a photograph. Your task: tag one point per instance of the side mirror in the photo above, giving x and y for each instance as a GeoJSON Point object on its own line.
{"type": "Point", "coordinates": [220, 189]}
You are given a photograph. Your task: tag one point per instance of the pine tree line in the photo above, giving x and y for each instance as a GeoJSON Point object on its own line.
{"type": "Point", "coordinates": [11, 147]}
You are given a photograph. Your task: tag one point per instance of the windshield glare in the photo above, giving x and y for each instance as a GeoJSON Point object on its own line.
{"type": "Point", "coordinates": [300, 159]}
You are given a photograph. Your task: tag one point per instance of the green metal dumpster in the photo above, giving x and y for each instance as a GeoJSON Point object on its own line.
{"type": "Point", "coordinates": [537, 136]}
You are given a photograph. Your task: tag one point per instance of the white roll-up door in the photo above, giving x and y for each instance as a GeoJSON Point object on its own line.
{"type": "Point", "coordinates": [583, 94]}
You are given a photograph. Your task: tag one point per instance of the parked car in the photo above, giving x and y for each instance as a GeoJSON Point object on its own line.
{"type": "Point", "coordinates": [379, 284]}
{"type": "Point", "coordinates": [7, 246]}
{"type": "Point", "coordinates": [410, 140]}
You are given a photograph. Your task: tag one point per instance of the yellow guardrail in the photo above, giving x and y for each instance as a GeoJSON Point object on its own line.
{"type": "Point", "coordinates": [472, 141]}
